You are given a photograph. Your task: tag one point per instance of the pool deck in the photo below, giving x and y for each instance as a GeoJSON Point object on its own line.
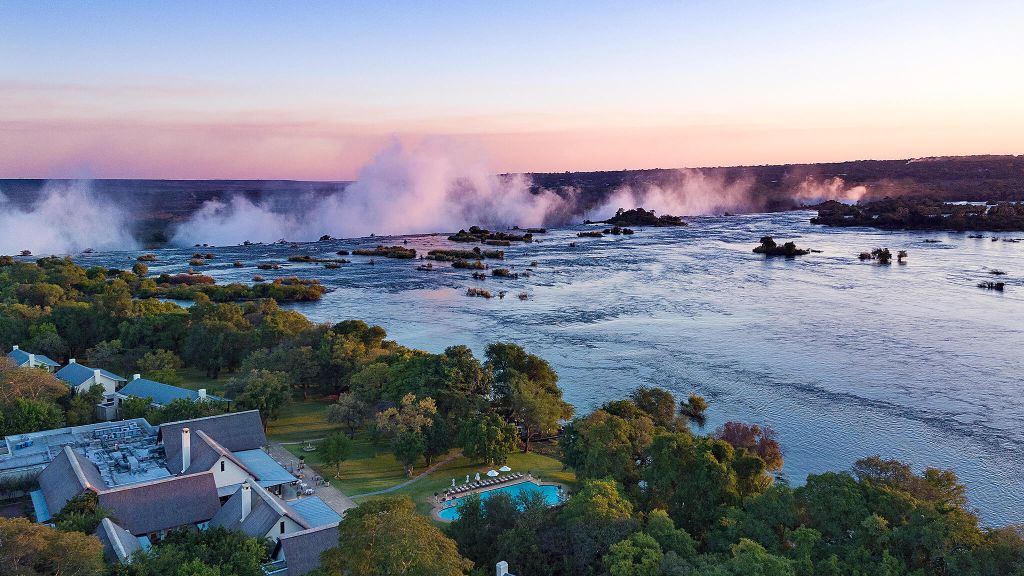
{"type": "Point", "coordinates": [440, 505]}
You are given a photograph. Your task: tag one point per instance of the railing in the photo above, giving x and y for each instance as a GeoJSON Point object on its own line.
{"type": "Point", "coordinates": [275, 568]}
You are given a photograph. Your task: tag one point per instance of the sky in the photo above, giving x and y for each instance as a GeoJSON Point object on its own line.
{"type": "Point", "coordinates": [313, 90]}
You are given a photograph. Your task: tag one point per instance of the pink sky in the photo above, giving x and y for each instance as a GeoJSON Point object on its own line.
{"type": "Point", "coordinates": [259, 91]}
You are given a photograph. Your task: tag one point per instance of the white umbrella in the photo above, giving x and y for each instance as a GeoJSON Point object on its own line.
{"type": "Point", "coordinates": [492, 473]}
{"type": "Point", "coordinates": [504, 469]}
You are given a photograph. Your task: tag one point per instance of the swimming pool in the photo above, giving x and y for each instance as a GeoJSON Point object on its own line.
{"type": "Point", "coordinates": [450, 512]}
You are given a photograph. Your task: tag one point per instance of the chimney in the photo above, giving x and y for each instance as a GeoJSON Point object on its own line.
{"type": "Point", "coordinates": [32, 360]}
{"type": "Point", "coordinates": [186, 449]}
{"type": "Point", "coordinates": [202, 393]}
{"type": "Point", "coordinates": [15, 347]}
{"type": "Point", "coordinates": [72, 361]}
{"type": "Point", "coordinates": [96, 376]}
{"type": "Point", "coordinates": [136, 376]}
{"type": "Point", "coordinates": [501, 569]}
{"type": "Point", "coordinates": [246, 500]}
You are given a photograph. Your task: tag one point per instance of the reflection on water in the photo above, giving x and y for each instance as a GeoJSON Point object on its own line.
{"type": "Point", "coordinates": [843, 358]}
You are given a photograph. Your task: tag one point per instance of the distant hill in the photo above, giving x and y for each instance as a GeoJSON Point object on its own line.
{"type": "Point", "coordinates": [946, 178]}
{"type": "Point", "coordinates": [160, 204]}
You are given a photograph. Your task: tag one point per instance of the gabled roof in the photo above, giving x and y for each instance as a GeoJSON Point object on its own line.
{"type": "Point", "coordinates": [77, 374]}
{"type": "Point", "coordinates": [118, 543]}
{"type": "Point", "coordinates": [163, 504]}
{"type": "Point", "coordinates": [266, 509]}
{"type": "Point", "coordinates": [205, 453]}
{"type": "Point", "coordinates": [302, 550]}
{"type": "Point", "coordinates": [160, 393]}
{"type": "Point", "coordinates": [234, 431]}
{"type": "Point", "coordinates": [69, 475]}
{"type": "Point", "coordinates": [21, 358]}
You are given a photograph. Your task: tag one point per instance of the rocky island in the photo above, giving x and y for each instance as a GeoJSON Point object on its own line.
{"type": "Point", "coordinates": [640, 217]}
{"type": "Point", "coordinates": [922, 214]}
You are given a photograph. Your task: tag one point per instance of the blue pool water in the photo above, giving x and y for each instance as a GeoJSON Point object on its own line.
{"type": "Point", "coordinates": [550, 493]}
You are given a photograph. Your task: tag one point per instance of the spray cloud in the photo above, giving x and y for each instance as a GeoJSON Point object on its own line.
{"type": "Point", "coordinates": [66, 218]}
{"type": "Point", "coordinates": [436, 186]}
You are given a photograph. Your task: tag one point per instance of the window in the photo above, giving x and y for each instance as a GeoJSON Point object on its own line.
{"type": "Point", "coordinates": [282, 526]}
{"type": "Point", "coordinates": [221, 465]}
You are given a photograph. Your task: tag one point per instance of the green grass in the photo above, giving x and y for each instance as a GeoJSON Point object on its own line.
{"type": "Point", "coordinates": [194, 379]}
{"type": "Point", "coordinates": [301, 420]}
{"type": "Point", "coordinates": [372, 467]}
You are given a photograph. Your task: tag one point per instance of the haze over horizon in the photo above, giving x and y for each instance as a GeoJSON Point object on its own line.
{"type": "Point", "coordinates": [262, 91]}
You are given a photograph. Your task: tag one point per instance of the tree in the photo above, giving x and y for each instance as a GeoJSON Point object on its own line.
{"type": "Point", "coordinates": [408, 447]}
{"type": "Point", "coordinates": [26, 416]}
{"type": "Point", "coordinates": [692, 410]}
{"type": "Point", "coordinates": [539, 409]}
{"type": "Point", "coordinates": [262, 390]}
{"type": "Point", "coordinates": [210, 552]}
{"type": "Point", "coordinates": [759, 440]}
{"type": "Point", "coordinates": [658, 403]}
{"type": "Point", "coordinates": [488, 437]}
{"type": "Point", "coordinates": [334, 450]}
{"type": "Point", "coordinates": [638, 555]}
{"type": "Point", "coordinates": [671, 539]}
{"type": "Point", "coordinates": [594, 518]}
{"type": "Point", "coordinates": [349, 412]}
{"type": "Point", "coordinates": [28, 383]}
{"type": "Point", "coordinates": [160, 365]}
{"type": "Point", "coordinates": [81, 514]}
{"type": "Point", "coordinates": [605, 445]}
{"type": "Point", "coordinates": [81, 408]}
{"type": "Point", "coordinates": [28, 549]}
{"type": "Point", "coordinates": [411, 416]}
{"type": "Point", "coordinates": [387, 536]}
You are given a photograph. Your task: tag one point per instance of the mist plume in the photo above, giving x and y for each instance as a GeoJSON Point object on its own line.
{"type": "Point", "coordinates": [438, 185]}
{"type": "Point", "coordinates": [66, 218]}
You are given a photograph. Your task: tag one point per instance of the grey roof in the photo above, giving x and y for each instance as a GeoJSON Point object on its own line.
{"type": "Point", "coordinates": [265, 511]}
{"type": "Point", "coordinates": [316, 512]}
{"type": "Point", "coordinates": [160, 393]}
{"type": "Point", "coordinates": [21, 358]}
{"type": "Point", "coordinates": [118, 543]}
{"type": "Point", "coordinates": [234, 431]}
{"type": "Point", "coordinates": [302, 550]}
{"type": "Point", "coordinates": [69, 475]}
{"type": "Point", "coordinates": [77, 374]}
{"type": "Point", "coordinates": [163, 504]}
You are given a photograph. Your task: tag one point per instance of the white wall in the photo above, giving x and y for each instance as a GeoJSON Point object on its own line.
{"type": "Point", "coordinates": [290, 526]}
{"type": "Point", "coordinates": [232, 474]}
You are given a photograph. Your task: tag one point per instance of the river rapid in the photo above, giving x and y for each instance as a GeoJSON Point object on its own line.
{"type": "Point", "coordinates": [842, 358]}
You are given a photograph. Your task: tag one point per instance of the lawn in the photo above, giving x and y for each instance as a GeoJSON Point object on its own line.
{"type": "Point", "coordinates": [301, 420]}
{"type": "Point", "coordinates": [194, 379]}
{"type": "Point", "coordinates": [372, 467]}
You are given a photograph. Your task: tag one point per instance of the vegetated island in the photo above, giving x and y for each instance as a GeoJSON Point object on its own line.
{"type": "Point", "coordinates": [640, 217]}
{"type": "Point", "coordinates": [484, 236]}
{"type": "Point", "coordinates": [922, 214]}
{"type": "Point", "coordinates": [769, 248]}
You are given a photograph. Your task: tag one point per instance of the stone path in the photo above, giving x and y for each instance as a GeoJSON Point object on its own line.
{"type": "Point", "coordinates": [329, 494]}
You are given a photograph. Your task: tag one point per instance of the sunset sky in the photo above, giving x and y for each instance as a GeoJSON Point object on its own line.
{"type": "Point", "coordinates": [313, 90]}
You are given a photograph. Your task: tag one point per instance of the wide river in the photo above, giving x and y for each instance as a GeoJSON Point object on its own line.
{"type": "Point", "coordinates": [842, 358]}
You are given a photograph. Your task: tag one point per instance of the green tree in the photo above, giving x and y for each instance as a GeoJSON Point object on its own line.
{"type": "Point", "coordinates": [638, 555]}
{"type": "Point", "coordinates": [349, 412]}
{"type": "Point", "coordinates": [408, 447]}
{"type": "Point", "coordinates": [24, 416]}
{"type": "Point", "coordinates": [603, 445]}
{"type": "Point", "coordinates": [658, 403]}
{"type": "Point", "coordinates": [265, 391]}
{"type": "Point", "coordinates": [82, 513]}
{"type": "Point", "coordinates": [693, 409]}
{"type": "Point", "coordinates": [334, 450]}
{"type": "Point", "coordinates": [488, 437]}
{"type": "Point", "coordinates": [387, 536]}
{"type": "Point", "coordinates": [210, 552]}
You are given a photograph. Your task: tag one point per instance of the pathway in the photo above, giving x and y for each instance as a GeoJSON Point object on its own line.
{"type": "Point", "coordinates": [426, 472]}
{"type": "Point", "coordinates": [329, 494]}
